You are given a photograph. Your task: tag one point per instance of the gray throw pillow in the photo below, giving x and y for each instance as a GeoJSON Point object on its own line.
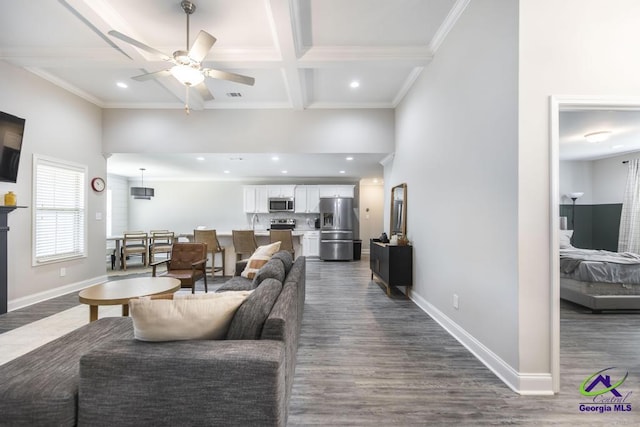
{"type": "Point", "coordinates": [286, 258]}
{"type": "Point", "coordinates": [273, 269]}
{"type": "Point", "coordinates": [250, 317]}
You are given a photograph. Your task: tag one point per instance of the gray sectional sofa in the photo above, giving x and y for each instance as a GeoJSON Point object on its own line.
{"type": "Point", "coordinates": [99, 375]}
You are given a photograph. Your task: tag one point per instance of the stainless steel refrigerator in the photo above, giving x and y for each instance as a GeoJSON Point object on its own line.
{"type": "Point", "coordinates": [336, 229]}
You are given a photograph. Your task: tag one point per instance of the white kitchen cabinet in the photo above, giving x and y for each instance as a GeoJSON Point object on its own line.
{"type": "Point", "coordinates": [281, 190]}
{"type": "Point", "coordinates": [255, 199]}
{"type": "Point", "coordinates": [336, 190]}
{"type": "Point", "coordinates": [311, 244]}
{"type": "Point", "coordinates": [307, 199]}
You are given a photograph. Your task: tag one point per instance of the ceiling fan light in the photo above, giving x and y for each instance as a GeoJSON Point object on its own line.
{"type": "Point", "coordinates": [186, 75]}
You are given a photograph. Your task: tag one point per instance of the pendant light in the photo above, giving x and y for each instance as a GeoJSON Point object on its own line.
{"type": "Point", "coordinates": [142, 192]}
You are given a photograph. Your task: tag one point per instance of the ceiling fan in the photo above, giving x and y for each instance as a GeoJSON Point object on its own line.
{"type": "Point", "coordinates": [187, 64]}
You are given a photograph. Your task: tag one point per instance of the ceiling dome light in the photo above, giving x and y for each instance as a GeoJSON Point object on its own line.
{"type": "Point", "coordinates": [598, 136]}
{"type": "Point", "coordinates": [354, 84]}
{"type": "Point", "coordinates": [186, 75]}
{"type": "Point", "coordinates": [122, 85]}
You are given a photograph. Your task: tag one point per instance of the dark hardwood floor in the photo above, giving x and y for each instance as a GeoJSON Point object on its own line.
{"type": "Point", "coordinates": [365, 359]}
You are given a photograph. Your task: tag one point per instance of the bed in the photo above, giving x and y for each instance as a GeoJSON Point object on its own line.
{"type": "Point", "coordinates": [598, 279]}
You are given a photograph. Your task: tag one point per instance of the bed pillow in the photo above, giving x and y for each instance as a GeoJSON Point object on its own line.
{"type": "Point", "coordinates": [565, 239]}
{"type": "Point", "coordinates": [259, 258]}
{"type": "Point", "coordinates": [194, 317]}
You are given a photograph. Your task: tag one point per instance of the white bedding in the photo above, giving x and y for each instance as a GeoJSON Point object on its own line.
{"type": "Point", "coordinates": [591, 265]}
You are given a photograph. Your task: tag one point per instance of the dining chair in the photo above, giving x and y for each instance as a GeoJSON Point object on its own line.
{"type": "Point", "coordinates": [134, 243]}
{"type": "Point", "coordinates": [210, 238]}
{"type": "Point", "coordinates": [286, 239]}
{"type": "Point", "coordinates": [160, 242]}
{"type": "Point", "coordinates": [244, 243]}
{"type": "Point", "coordinates": [188, 263]}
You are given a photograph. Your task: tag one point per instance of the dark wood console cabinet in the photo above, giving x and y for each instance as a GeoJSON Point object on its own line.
{"type": "Point", "coordinates": [392, 264]}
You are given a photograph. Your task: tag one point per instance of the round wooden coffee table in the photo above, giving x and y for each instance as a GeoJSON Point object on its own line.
{"type": "Point", "coordinates": [121, 291]}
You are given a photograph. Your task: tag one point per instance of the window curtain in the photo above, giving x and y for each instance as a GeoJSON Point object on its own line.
{"type": "Point", "coordinates": [629, 236]}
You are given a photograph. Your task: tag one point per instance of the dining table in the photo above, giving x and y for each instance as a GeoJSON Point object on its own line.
{"type": "Point", "coordinates": [225, 238]}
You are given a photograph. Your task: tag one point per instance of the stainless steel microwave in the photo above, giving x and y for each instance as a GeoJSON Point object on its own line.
{"type": "Point", "coordinates": [280, 204]}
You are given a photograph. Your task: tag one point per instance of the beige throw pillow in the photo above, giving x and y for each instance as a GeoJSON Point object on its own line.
{"type": "Point", "coordinates": [192, 317]}
{"type": "Point", "coordinates": [259, 258]}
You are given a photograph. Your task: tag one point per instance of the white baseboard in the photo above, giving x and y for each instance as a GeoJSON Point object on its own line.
{"type": "Point", "coordinates": [53, 293]}
{"type": "Point", "coordinates": [521, 383]}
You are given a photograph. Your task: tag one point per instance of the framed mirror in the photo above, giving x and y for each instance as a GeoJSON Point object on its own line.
{"type": "Point", "coordinates": [399, 210]}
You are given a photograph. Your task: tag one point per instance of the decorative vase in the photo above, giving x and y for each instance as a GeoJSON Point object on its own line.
{"type": "Point", "coordinates": [10, 199]}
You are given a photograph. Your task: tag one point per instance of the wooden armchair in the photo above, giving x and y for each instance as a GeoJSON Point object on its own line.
{"type": "Point", "coordinates": [188, 263]}
{"type": "Point", "coordinates": [210, 238]}
{"type": "Point", "coordinates": [160, 242]}
{"type": "Point", "coordinates": [134, 243]}
{"type": "Point", "coordinates": [244, 243]}
{"type": "Point", "coordinates": [285, 237]}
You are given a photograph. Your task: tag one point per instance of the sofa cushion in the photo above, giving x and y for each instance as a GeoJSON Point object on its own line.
{"type": "Point", "coordinates": [286, 258]}
{"type": "Point", "coordinates": [202, 316]}
{"type": "Point", "coordinates": [274, 269]}
{"type": "Point", "coordinates": [259, 258]}
{"type": "Point", "coordinates": [40, 388]}
{"type": "Point", "coordinates": [249, 318]}
{"type": "Point", "coordinates": [236, 283]}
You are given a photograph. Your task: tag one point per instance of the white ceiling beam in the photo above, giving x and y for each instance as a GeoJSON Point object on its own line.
{"type": "Point", "coordinates": [100, 17]}
{"type": "Point", "coordinates": [283, 24]}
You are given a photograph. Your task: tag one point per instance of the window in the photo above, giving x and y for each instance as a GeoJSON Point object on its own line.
{"type": "Point", "coordinates": [59, 214]}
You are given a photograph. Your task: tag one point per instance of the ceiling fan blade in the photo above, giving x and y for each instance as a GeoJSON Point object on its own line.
{"type": "Point", "coordinates": [150, 76]}
{"type": "Point", "coordinates": [232, 77]}
{"type": "Point", "coordinates": [203, 90]}
{"type": "Point", "coordinates": [201, 46]}
{"type": "Point", "coordinates": [140, 45]}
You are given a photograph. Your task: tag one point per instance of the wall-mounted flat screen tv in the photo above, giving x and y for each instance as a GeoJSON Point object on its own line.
{"type": "Point", "coordinates": [11, 131]}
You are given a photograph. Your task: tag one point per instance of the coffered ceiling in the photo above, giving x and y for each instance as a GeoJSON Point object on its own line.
{"type": "Point", "coordinates": [302, 53]}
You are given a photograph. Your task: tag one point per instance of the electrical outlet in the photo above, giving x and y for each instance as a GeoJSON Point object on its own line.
{"type": "Point", "coordinates": [63, 271]}
{"type": "Point", "coordinates": [456, 301]}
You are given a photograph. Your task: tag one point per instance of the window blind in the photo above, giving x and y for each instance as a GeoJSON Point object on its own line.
{"type": "Point", "coordinates": [59, 210]}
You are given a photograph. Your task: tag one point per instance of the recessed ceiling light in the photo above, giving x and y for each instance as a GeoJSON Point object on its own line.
{"type": "Point", "coordinates": [285, 172]}
{"type": "Point", "coordinates": [354, 84]}
{"type": "Point", "coordinates": [375, 180]}
{"type": "Point", "coordinates": [227, 171]}
{"type": "Point", "coordinates": [598, 136]}
{"type": "Point", "coordinates": [342, 172]}
{"type": "Point", "coordinates": [122, 85]}
{"type": "Point", "coordinates": [349, 158]}
{"type": "Point", "coordinates": [275, 158]}
{"type": "Point", "coordinates": [200, 158]}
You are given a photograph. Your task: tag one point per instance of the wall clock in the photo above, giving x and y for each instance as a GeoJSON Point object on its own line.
{"type": "Point", "coordinates": [98, 184]}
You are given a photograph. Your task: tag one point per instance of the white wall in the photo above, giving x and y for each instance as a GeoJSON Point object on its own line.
{"type": "Point", "coordinates": [456, 148]}
{"type": "Point", "coordinates": [60, 125]}
{"type": "Point", "coordinates": [603, 181]}
{"type": "Point", "coordinates": [181, 206]}
{"type": "Point", "coordinates": [568, 48]}
{"type": "Point", "coordinates": [610, 178]}
{"type": "Point", "coordinates": [576, 176]}
{"type": "Point", "coordinates": [372, 211]}
{"type": "Point", "coordinates": [249, 131]}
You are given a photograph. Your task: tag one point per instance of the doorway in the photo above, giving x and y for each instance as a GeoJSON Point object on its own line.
{"type": "Point", "coordinates": [559, 104]}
